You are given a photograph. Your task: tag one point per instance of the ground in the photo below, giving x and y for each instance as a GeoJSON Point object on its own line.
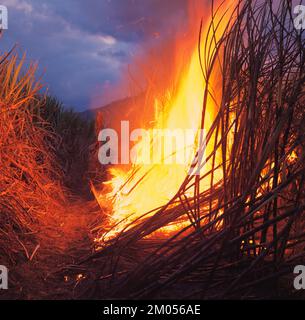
{"type": "Point", "coordinates": [62, 242]}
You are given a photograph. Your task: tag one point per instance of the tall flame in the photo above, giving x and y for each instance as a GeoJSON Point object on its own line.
{"type": "Point", "coordinates": [145, 187]}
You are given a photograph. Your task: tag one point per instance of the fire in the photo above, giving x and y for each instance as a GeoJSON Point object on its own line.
{"type": "Point", "coordinates": [145, 187]}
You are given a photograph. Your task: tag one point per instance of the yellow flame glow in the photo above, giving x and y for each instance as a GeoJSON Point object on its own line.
{"type": "Point", "coordinates": [146, 187]}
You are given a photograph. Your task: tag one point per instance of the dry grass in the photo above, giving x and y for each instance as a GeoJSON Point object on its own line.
{"type": "Point", "coordinates": [261, 200]}
{"type": "Point", "coordinates": [29, 187]}
{"type": "Point", "coordinates": [75, 138]}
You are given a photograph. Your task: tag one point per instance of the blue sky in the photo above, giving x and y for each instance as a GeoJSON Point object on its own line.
{"type": "Point", "coordinates": [83, 46]}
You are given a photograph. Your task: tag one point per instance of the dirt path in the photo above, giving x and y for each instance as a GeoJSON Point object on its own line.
{"type": "Point", "coordinates": [62, 241]}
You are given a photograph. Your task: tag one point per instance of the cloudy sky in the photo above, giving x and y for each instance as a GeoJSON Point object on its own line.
{"type": "Point", "coordinates": [83, 45]}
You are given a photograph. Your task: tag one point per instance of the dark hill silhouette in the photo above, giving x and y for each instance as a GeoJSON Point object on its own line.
{"type": "Point", "coordinates": [133, 109]}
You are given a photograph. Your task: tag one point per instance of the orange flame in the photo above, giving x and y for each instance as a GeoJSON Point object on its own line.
{"type": "Point", "coordinates": [146, 187]}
